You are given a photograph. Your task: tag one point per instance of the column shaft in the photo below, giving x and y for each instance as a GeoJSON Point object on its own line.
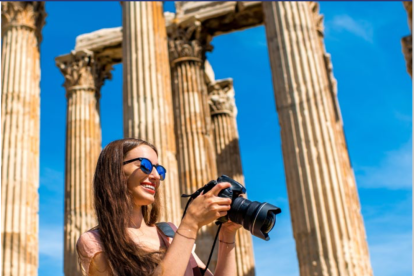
{"type": "Point", "coordinates": [226, 141]}
{"type": "Point", "coordinates": [315, 181]}
{"type": "Point", "coordinates": [195, 151]}
{"type": "Point", "coordinates": [355, 244]}
{"type": "Point", "coordinates": [20, 115]}
{"type": "Point", "coordinates": [84, 77]}
{"type": "Point", "coordinates": [148, 110]}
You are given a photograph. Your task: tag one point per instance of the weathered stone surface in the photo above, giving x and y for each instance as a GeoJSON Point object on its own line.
{"type": "Point", "coordinates": [22, 24]}
{"type": "Point", "coordinates": [97, 40]}
{"type": "Point", "coordinates": [84, 75]}
{"type": "Point", "coordinates": [219, 17]}
{"type": "Point", "coordinates": [330, 238]}
{"type": "Point", "coordinates": [407, 41]}
{"type": "Point", "coordinates": [148, 107]}
{"type": "Point", "coordinates": [208, 73]}
{"type": "Point", "coordinates": [105, 43]}
{"type": "Point", "coordinates": [407, 46]}
{"type": "Point", "coordinates": [226, 140]}
{"type": "Point", "coordinates": [195, 152]}
{"type": "Point", "coordinates": [320, 187]}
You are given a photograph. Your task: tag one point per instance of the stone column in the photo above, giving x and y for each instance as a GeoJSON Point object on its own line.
{"type": "Point", "coordinates": [355, 246]}
{"type": "Point", "coordinates": [226, 140]}
{"type": "Point", "coordinates": [148, 112]}
{"type": "Point", "coordinates": [407, 41]}
{"type": "Point", "coordinates": [317, 191]}
{"type": "Point", "coordinates": [22, 23]}
{"type": "Point", "coordinates": [84, 75]}
{"type": "Point", "coordinates": [195, 154]}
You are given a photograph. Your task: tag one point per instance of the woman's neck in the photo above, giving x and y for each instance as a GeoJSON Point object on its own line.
{"type": "Point", "coordinates": [137, 219]}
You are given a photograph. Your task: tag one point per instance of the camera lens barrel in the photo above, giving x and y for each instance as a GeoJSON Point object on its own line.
{"type": "Point", "coordinates": [258, 218]}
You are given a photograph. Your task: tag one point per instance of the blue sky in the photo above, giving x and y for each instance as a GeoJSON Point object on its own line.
{"type": "Point", "coordinates": [375, 96]}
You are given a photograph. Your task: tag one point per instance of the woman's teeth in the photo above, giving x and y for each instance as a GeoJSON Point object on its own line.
{"type": "Point", "coordinates": [149, 187]}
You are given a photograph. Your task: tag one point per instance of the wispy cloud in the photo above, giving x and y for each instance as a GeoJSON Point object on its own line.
{"type": "Point", "coordinates": [393, 172]}
{"type": "Point", "coordinates": [51, 241]}
{"type": "Point", "coordinates": [359, 28]}
{"type": "Point", "coordinates": [277, 257]}
{"type": "Point", "coordinates": [403, 117]}
{"type": "Point", "coordinates": [52, 180]}
{"type": "Point", "coordinates": [389, 233]}
{"type": "Point", "coordinates": [391, 254]}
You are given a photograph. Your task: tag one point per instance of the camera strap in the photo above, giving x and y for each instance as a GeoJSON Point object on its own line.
{"type": "Point", "coordinates": [191, 198]}
{"type": "Point", "coordinates": [203, 271]}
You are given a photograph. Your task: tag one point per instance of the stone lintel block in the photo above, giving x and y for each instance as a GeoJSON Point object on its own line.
{"type": "Point", "coordinates": [99, 39]}
{"type": "Point", "coordinates": [103, 43]}
{"type": "Point", "coordinates": [222, 17]}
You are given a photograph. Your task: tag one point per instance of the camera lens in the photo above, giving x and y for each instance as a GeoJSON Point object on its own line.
{"type": "Point", "coordinates": [268, 223]}
{"type": "Point", "coordinates": [258, 218]}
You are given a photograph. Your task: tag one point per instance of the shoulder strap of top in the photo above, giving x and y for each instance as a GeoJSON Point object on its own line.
{"type": "Point", "coordinates": [166, 229]}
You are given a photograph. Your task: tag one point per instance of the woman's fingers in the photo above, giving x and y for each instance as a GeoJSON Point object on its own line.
{"type": "Point", "coordinates": [223, 200]}
{"type": "Point", "coordinates": [216, 189]}
{"type": "Point", "coordinates": [222, 214]}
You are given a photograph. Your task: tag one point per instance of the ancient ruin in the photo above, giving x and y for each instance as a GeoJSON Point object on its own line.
{"type": "Point", "coordinates": [171, 98]}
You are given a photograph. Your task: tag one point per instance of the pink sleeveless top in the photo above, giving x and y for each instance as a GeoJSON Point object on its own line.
{"type": "Point", "coordinates": [89, 244]}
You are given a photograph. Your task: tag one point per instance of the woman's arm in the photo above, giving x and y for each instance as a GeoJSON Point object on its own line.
{"type": "Point", "coordinates": [226, 261]}
{"type": "Point", "coordinates": [99, 265]}
{"type": "Point", "coordinates": [203, 210]}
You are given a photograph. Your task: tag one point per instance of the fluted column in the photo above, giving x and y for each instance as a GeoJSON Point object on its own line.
{"type": "Point", "coordinates": [226, 140]}
{"type": "Point", "coordinates": [195, 151]}
{"type": "Point", "coordinates": [84, 76]}
{"type": "Point", "coordinates": [22, 23]}
{"type": "Point", "coordinates": [356, 246]}
{"type": "Point", "coordinates": [148, 110]}
{"type": "Point", "coordinates": [317, 187]}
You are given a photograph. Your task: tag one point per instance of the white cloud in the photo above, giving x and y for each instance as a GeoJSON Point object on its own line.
{"type": "Point", "coordinates": [360, 28]}
{"type": "Point", "coordinates": [51, 242]}
{"type": "Point", "coordinates": [391, 254]}
{"type": "Point", "coordinates": [52, 180]}
{"type": "Point", "coordinates": [403, 117]}
{"type": "Point", "coordinates": [277, 257]}
{"type": "Point", "coordinates": [389, 235]}
{"type": "Point", "coordinates": [393, 172]}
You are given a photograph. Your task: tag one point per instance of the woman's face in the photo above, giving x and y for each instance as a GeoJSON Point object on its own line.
{"type": "Point", "coordinates": [141, 186]}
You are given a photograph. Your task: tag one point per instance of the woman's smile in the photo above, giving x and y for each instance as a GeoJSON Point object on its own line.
{"type": "Point", "coordinates": [148, 187]}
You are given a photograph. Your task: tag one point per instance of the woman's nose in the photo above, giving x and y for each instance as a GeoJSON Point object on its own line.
{"type": "Point", "coordinates": [154, 174]}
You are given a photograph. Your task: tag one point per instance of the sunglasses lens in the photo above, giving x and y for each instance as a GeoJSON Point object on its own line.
{"type": "Point", "coordinates": [146, 166]}
{"type": "Point", "coordinates": [161, 171]}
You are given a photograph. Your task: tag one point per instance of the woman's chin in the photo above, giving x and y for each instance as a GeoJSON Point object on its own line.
{"type": "Point", "coordinates": [144, 201]}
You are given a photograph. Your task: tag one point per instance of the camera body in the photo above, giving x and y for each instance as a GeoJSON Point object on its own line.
{"type": "Point", "coordinates": [258, 218]}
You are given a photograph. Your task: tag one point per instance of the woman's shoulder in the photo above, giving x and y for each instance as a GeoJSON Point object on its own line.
{"type": "Point", "coordinates": [89, 243]}
{"type": "Point", "coordinates": [88, 246]}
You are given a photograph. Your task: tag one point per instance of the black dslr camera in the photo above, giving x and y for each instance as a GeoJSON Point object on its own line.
{"type": "Point", "coordinates": [258, 218]}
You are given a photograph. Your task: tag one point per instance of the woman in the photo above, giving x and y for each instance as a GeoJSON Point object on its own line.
{"type": "Point", "coordinates": [126, 240]}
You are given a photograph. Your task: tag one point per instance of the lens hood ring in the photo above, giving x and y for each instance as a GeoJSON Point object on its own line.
{"type": "Point", "coordinates": [257, 214]}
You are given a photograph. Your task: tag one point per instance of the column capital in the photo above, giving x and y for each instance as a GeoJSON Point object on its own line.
{"type": "Point", "coordinates": [30, 14]}
{"type": "Point", "coordinates": [84, 70]}
{"type": "Point", "coordinates": [221, 98]}
{"type": "Point", "coordinates": [188, 41]}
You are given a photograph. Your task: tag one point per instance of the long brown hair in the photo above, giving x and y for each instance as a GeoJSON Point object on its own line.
{"type": "Point", "coordinates": [113, 207]}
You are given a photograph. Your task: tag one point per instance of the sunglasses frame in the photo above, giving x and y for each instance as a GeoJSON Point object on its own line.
{"type": "Point", "coordinates": [140, 165]}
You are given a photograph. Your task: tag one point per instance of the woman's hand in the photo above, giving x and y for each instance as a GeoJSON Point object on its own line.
{"type": "Point", "coordinates": [230, 228]}
{"type": "Point", "coordinates": [208, 207]}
